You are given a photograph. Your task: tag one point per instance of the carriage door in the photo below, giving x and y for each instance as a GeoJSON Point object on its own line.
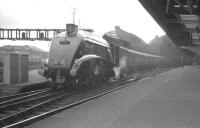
{"type": "Point", "coordinates": [14, 63]}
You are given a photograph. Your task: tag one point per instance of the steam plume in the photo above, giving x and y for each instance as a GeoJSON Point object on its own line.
{"type": "Point", "coordinates": [121, 68]}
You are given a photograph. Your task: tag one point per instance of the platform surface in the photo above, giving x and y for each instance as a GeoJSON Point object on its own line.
{"type": "Point", "coordinates": [34, 80]}
{"type": "Point", "coordinates": [35, 77]}
{"type": "Point", "coordinates": [167, 100]}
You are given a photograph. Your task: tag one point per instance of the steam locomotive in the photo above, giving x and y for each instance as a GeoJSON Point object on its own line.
{"type": "Point", "coordinates": [80, 58]}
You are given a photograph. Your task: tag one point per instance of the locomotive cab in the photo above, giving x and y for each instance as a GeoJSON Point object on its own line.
{"type": "Point", "coordinates": [77, 56]}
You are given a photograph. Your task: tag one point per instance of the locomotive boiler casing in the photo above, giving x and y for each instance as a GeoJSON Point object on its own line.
{"type": "Point", "coordinates": [68, 53]}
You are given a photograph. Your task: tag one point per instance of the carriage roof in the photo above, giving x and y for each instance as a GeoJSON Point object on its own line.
{"type": "Point", "coordinates": [140, 53]}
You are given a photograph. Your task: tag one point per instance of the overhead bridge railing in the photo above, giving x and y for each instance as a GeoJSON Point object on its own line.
{"type": "Point", "coordinates": [28, 34]}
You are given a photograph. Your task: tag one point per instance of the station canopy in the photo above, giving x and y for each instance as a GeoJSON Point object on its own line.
{"type": "Point", "coordinates": [180, 19]}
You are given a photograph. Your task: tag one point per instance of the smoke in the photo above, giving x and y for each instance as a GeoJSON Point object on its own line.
{"type": "Point", "coordinates": [121, 68]}
{"type": "Point", "coordinates": [123, 62]}
{"type": "Point", "coordinates": [117, 72]}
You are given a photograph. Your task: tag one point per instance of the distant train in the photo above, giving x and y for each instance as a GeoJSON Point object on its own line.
{"type": "Point", "coordinates": [80, 58]}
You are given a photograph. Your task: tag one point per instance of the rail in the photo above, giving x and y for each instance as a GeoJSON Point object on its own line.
{"type": "Point", "coordinates": [55, 103]}
{"type": "Point", "coordinates": [51, 106]}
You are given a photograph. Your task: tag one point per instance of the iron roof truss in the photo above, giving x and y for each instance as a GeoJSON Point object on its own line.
{"type": "Point", "coordinates": [179, 19]}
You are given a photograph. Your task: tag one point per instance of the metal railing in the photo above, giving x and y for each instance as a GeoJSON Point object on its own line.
{"type": "Point", "coordinates": [28, 34]}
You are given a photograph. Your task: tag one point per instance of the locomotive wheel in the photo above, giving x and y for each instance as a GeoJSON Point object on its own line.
{"type": "Point", "coordinates": [92, 81]}
{"type": "Point", "coordinates": [103, 74]}
{"type": "Point", "coordinates": [86, 83]}
{"type": "Point", "coordinates": [97, 72]}
{"type": "Point", "coordinates": [53, 84]}
{"type": "Point", "coordinates": [100, 72]}
{"type": "Point", "coordinates": [76, 83]}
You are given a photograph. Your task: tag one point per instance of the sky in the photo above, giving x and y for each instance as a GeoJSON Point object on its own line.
{"type": "Point", "coordinates": [100, 15]}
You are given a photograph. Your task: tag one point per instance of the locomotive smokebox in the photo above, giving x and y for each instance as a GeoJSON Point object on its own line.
{"type": "Point", "coordinates": [71, 30]}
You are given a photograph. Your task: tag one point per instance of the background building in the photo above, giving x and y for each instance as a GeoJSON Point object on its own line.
{"type": "Point", "coordinates": [36, 56]}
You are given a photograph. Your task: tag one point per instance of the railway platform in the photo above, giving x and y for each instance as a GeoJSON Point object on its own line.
{"type": "Point", "coordinates": [167, 100]}
{"type": "Point", "coordinates": [35, 81]}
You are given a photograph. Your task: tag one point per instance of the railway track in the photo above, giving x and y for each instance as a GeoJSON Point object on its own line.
{"type": "Point", "coordinates": [15, 106]}
{"type": "Point", "coordinates": [44, 106]}
{"type": "Point", "coordinates": [20, 95]}
{"type": "Point", "coordinates": [39, 105]}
